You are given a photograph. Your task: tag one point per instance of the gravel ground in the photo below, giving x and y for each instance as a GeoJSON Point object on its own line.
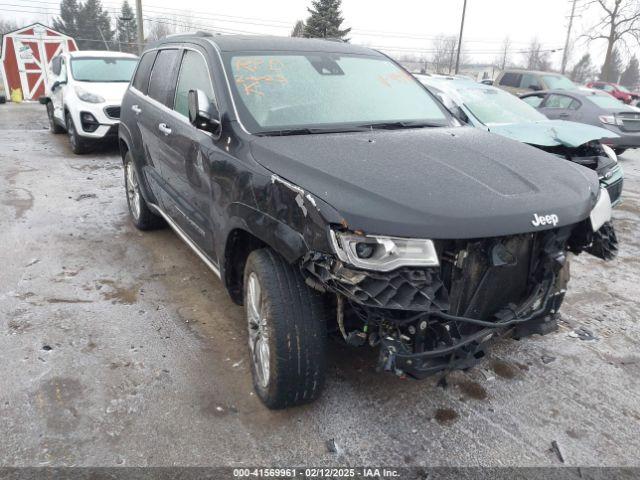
{"type": "Point", "coordinates": [121, 348]}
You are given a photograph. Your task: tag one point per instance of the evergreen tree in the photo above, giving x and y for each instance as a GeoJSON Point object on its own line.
{"type": "Point", "coordinates": [631, 76]}
{"type": "Point", "coordinates": [94, 27]}
{"type": "Point", "coordinates": [298, 29]}
{"type": "Point", "coordinates": [325, 20]}
{"type": "Point", "coordinates": [611, 71]}
{"type": "Point", "coordinates": [127, 29]}
{"type": "Point", "coordinates": [583, 71]}
{"type": "Point", "coordinates": [67, 23]}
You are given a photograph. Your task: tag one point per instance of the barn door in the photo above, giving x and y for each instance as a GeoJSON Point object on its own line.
{"type": "Point", "coordinates": [34, 54]}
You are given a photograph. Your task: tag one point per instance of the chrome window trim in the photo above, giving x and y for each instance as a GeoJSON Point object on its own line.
{"type": "Point", "coordinates": [161, 105]}
{"type": "Point", "coordinates": [226, 79]}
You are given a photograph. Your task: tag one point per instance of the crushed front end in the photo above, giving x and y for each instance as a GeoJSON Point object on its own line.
{"type": "Point", "coordinates": [442, 314]}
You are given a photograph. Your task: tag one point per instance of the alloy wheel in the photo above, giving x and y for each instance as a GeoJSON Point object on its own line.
{"type": "Point", "coordinates": [258, 330]}
{"type": "Point", "coordinates": [133, 190]}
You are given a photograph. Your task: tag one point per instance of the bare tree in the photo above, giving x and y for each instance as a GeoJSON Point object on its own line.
{"type": "Point", "coordinates": [7, 26]}
{"type": "Point", "coordinates": [505, 55]}
{"type": "Point", "coordinates": [159, 28]}
{"type": "Point", "coordinates": [619, 23]}
{"type": "Point", "coordinates": [444, 53]}
{"type": "Point", "coordinates": [535, 58]}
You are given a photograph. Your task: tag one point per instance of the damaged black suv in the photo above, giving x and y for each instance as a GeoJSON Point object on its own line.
{"type": "Point", "coordinates": [334, 195]}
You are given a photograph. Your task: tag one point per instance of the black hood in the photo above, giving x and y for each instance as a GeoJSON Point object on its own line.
{"type": "Point", "coordinates": [432, 183]}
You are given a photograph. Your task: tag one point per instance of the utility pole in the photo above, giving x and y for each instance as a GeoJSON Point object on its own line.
{"type": "Point", "coordinates": [565, 55]}
{"type": "Point", "coordinates": [464, 11]}
{"type": "Point", "coordinates": [140, 26]}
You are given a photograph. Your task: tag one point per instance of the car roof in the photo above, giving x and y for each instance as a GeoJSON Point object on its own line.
{"type": "Point", "coordinates": [575, 92]}
{"type": "Point", "coordinates": [100, 53]}
{"type": "Point", "coordinates": [533, 72]}
{"type": "Point", "coordinates": [266, 43]}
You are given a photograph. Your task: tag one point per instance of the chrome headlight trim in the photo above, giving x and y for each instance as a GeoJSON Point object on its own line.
{"type": "Point", "coordinates": [601, 213]}
{"type": "Point", "coordinates": [389, 253]}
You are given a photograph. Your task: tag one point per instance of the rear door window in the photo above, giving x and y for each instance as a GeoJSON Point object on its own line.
{"type": "Point", "coordinates": [162, 83]}
{"type": "Point", "coordinates": [560, 101]}
{"type": "Point", "coordinates": [530, 82]}
{"type": "Point", "coordinates": [141, 77]}
{"type": "Point", "coordinates": [194, 75]}
{"type": "Point", "coordinates": [534, 100]}
{"type": "Point", "coordinates": [511, 79]}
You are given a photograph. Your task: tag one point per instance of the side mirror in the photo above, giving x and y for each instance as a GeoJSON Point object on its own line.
{"type": "Point", "coordinates": [56, 84]}
{"type": "Point", "coordinates": [203, 114]}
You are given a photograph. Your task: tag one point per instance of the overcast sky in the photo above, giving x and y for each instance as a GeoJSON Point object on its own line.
{"type": "Point", "coordinates": [399, 25]}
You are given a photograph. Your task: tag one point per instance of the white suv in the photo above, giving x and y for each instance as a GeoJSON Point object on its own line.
{"type": "Point", "coordinates": [85, 94]}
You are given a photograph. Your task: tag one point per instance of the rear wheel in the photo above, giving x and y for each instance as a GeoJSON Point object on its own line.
{"type": "Point", "coordinates": [78, 144]}
{"type": "Point", "coordinates": [55, 128]}
{"type": "Point", "coordinates": [287, 331]}
{"type": "Point", "coordinates": [141, 215]}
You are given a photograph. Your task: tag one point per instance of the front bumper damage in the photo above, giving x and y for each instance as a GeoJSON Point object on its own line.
{"type": "Point", "coordinates": [434, 319]}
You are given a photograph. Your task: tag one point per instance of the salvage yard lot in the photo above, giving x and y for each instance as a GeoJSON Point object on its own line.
{"type": "Point", "coordinates": [121, 348]}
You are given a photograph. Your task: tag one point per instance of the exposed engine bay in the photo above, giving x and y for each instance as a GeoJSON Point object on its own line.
{"type": "Point", "coordinates": [434, 319]}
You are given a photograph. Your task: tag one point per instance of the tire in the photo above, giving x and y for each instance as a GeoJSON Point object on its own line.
{"type": "Point", "coordinates": [3, 99]}
{"type": "Point", "coordinates": [619, 151]}
{"type": "Point", "coordinates": [78, 145]}
{"type": "Point", "coordinates": [55, 128]}
{"type": "Point", "coordinates": [141, 215]}
{"type": "Point", "coordinates": [292, 324]}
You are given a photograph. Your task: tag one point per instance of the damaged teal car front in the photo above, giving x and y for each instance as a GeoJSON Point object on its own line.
{"type": "Point", "coordinates": [500, 112]}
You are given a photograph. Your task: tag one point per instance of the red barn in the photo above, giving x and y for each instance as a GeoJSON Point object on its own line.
{"type": "Point", "coordinates": [26, 58]}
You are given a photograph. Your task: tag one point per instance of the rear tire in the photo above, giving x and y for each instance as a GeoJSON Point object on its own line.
{"type": "Point", "coordinates": [55, 128]}
{"type": "Point", "coordinates": [287, 331]}
{"type": "Point", "coordinates": [141, 215]}
{"type": "Point", "coordinates": [78, 145]}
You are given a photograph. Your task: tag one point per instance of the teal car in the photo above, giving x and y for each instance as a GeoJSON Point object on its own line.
{"type": "Point", "coordinates": [489, 108]}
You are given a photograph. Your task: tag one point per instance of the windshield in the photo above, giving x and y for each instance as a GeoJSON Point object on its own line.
{"type": "Point", "coordinates": [558, 82]}
{"type": "Point", "coordinates": [623, 89]}
{"type": "Point", "coordinates": [108, 69]}
{"type": "Point", "coordinates": [605, 101]}
{"type": "Point", "coordinates": [323, 90]}
{"type": "Point", "coordinates": [492, 106]}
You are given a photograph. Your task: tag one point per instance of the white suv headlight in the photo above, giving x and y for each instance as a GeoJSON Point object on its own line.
{"type": "Point", "coordinates": [88, 96]}
{"type": "Point", "coordinates": [383, 254]}
{"type": "Point", "coordinates": [601, 213]}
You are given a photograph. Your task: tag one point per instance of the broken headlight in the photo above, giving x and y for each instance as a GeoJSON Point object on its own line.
{"type": "Point", "coordinates": [383, 254]}
{"type": "Point", "coordinates": [601, 213]}
{"type": "Point", "coordinates": [610, 152]}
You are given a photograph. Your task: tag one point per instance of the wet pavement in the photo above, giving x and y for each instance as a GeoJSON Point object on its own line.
{"type": "Point", "coordinates": [120, 348]}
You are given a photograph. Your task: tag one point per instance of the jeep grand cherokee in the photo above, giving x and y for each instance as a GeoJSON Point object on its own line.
{"type": "Point", "coordinates": [333, 194]}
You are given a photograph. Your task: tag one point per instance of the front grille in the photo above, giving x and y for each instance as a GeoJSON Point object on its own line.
{"type": "Point", "coordinates": [112, 112]}
{"type": "Point", "coordinates": [630, 121]}
{"type": "Point", "coordinates": [615, 190]}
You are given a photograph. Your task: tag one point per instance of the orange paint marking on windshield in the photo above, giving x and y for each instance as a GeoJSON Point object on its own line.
{"type": "Point", "coordinates": [250, 64]}
{"type": "Point", "coordinates": [252, 84]}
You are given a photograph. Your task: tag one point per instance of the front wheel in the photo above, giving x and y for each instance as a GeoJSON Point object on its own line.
{"type": "Point", "coordinates": [287, 331]}
{"type": "Point", "coordinates": [78, 144]}
{"type": "Point", "coordinates": [55, 128]}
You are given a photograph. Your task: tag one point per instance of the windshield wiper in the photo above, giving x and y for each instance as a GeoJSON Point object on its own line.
{"type": "Point", "coordinates": [399, 125]}
{"type": "Point", "coordinates": [309, 131]}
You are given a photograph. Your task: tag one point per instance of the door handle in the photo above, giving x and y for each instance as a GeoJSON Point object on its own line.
{"type": "Point", "coordinates": [164, 129]}
{"type": "Point", "coordinates": [564, 115]}
{"type": "Point", "coordinates": [136, 109]}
